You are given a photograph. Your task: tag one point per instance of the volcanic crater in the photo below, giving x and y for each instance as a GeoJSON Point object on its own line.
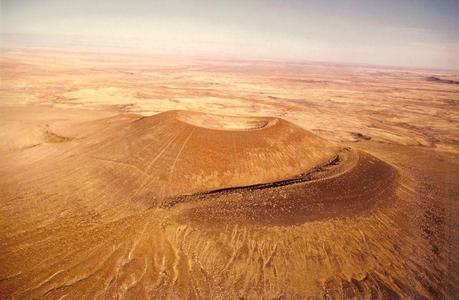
{"type": "Point", "coordinates": [219, 169]}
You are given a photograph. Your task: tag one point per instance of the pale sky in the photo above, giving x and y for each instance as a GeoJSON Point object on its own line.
{"type": "Point", "coordinates": [415, 33]}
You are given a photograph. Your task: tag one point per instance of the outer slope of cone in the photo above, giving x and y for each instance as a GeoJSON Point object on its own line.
{"type": "Point", "coordinates": [180, 153]}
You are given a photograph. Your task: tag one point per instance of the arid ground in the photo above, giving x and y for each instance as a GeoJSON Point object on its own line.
{"type": "Point", "coordinates": [136, 176]}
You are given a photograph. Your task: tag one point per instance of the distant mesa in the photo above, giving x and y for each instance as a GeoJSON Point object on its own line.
{"type": "Point", "coordinates": [262, 169]}
{"type": "Point", "coordinates": [441, 80]}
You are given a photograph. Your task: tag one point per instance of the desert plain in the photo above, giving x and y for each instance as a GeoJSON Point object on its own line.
{"type": "Point", "coordinates": [157, 177]}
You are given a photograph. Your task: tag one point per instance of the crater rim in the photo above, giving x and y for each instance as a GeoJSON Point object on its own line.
{"type": "Point", "coordinates": [225, 122]}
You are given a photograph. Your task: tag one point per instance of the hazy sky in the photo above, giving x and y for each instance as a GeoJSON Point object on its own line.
{"type": "Point", "coordinates": [390, 32]}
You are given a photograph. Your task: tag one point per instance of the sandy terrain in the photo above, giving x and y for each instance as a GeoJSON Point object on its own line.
{"type": "Point", "coordinates": [163, 177]}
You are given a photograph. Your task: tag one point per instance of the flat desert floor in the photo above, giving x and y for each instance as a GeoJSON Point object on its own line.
{"type": "Point", "coordinates": [135, 176]}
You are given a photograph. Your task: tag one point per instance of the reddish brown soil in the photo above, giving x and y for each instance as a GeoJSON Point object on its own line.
{"type": "Point", "coordinates": [331, 181]}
